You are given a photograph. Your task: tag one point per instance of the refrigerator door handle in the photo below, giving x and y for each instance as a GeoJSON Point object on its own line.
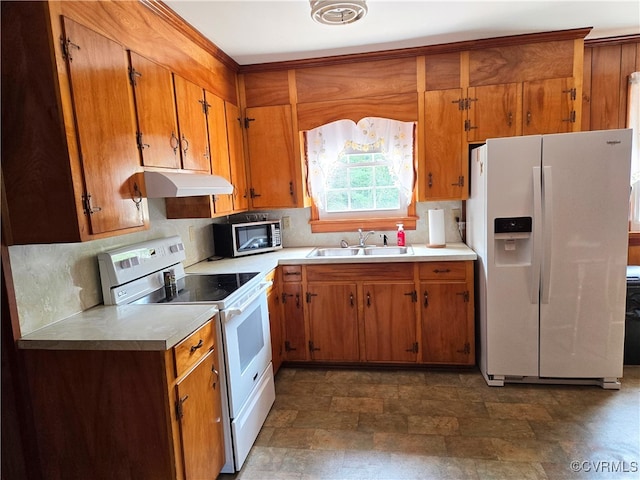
{"type": "Point", "coordinates": [536, 260]}
{"type": "Point", "coordinates": [547, 216]}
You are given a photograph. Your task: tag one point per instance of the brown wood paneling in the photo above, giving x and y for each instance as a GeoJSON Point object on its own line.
{"type": "Point", "coordinates": [605, 87]}
{"type": "Point", "coordinates": [402, 107]}
{"type": "Point", "coordinates": [627, 67]}
{"type": "Point", "coordinates": [358, 80]}
{"type": "Point", "coordinates": [141, 29]}
{"type": "Point", "coordinates": [190, 207]}
{"type": "Point", "coordinates": [586, 90]}
{"type": "Point", "coordinates": [263, 89]}
{"type": "Point", "coordinates": [443, 71]}
{"type": "Point", "coordinates": [370, 272]}
{"type": "Point", "coordinates": [520, 63]}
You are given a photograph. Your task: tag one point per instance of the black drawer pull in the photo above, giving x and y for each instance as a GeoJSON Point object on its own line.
{"type": "Point", "coordinates": [196, 347]}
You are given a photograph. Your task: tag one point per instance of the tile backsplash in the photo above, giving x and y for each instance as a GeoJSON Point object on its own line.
{"type": "Point", "coordinates": [55, 281]}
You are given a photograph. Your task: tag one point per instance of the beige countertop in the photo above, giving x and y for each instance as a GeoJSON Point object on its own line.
{"type": "Point", "coordinates": [160, 327]}
{"type": "Point", "coordinates": [125, 327]}
{"type": "Point", "coordinates": [265, 262]}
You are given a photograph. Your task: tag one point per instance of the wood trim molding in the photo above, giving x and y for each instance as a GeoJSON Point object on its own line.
{"type": "Point", "coordinates": [622, 39]}
{"type": "Point", "coordinates": [573, 34]}
{"type": "Point", "coordinates": [163, 11]}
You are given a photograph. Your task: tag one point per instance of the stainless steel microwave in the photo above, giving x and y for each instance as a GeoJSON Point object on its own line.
{"type": "Point", "coordinates": [237, 239]}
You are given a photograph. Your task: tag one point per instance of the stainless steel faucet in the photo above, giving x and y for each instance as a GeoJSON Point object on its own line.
{"type": "Point", "coordinates": [362, 237]}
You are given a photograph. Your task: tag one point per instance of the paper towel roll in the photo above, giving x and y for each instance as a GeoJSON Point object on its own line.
{"type": "Point", "coordinates": [436, 229]}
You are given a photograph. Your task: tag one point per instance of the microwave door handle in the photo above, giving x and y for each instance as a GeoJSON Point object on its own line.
{"type": "Point", "coordinates": [231, 312]}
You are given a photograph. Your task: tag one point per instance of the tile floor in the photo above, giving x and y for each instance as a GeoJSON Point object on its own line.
{"type": "Point", "coordinates": [338, 424]}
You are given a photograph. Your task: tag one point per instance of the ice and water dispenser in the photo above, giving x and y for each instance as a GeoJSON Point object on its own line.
{"type": "Point", "coordinates": [513, 241]}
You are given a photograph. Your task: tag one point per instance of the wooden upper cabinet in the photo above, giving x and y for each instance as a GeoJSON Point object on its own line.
{"type": "Point", "coordinates": [156, 113]}
{"type": "Point", "coordinates": [194, 144]}
{"type": "Point", "coordinates": [236, 158]}
{"type": "Point", "coordinates": [493, 111]}
{"type": "Point", "coordinates": [442, 176]}
{"type": "Point", "coordinates": [549, 106]}
{"type": "Point", "coordinates": [271, 155]}
{"type": "Point", "coordinates": [104, 117]}
{"type": "Point", "coordinates": [219, 148]}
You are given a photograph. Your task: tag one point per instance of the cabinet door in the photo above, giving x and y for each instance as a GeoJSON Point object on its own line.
{"type": "Point", "coordinates": [548, 106]}
{"type": "Point", "coordinates": [105, 122]}
{"type": "Point", "coordinates": [271, 157]}
{"type": "Point", "coordinates": [219, 148]}
{"type": "Point", "coordinates": [390, 322]}
{"type": "Point", "coordinates": [295, 345]}
{"type": "Point", "coordinates": [333, 321]}
{"type": "Point", "coordinates": [156, 113]}
{"type": "Point", "coordinates": [447, 334]}
{"type": "Point", "coordinates": [199, 412]}
{"type": "Point", "coordinates": [492, 112]}
{"type": "Point", "coordinates": [236, 158]}
{"type": "Point", "coordinates": [192, 122]}
{"type": "Point", "coordinates": [275, 323]}
{"type": "Point", "coordinates": [442, 175]}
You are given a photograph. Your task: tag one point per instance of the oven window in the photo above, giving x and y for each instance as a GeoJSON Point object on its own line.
{"type": "Point", "coordinates": [251, 238]}
{"type": "Point", "coordinates": [250, 338]}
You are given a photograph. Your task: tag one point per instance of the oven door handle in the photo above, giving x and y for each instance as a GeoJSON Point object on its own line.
{"type": "Point", "coordinates": [230, 312]}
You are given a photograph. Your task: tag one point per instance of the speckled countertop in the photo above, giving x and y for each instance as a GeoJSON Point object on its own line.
{"type": "Point", "coordinates": [125, 327]}
{"type": "Point", "coordinates": [160, 327]}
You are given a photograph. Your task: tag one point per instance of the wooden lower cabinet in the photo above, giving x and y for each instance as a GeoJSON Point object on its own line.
{"type": "Point", "coordinates": [333, 322]}
{"type": "Point", "coordinates": [129, 414]}
{"type": "Point", "coordinates": [275, 321]}
{"type": "Point", "coordinates": [446, 295]}
{"type": "Point", "coordinates": [404, 313]}
{"type": "Point", "coordinates": [390, 322]}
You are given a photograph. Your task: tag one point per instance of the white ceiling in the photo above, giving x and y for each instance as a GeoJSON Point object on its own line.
{"type": "Point", "coordinates": [259, 31]}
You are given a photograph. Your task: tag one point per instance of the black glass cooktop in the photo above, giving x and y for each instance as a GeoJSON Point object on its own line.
{"type": "Point", "coordinates": [199, 288]}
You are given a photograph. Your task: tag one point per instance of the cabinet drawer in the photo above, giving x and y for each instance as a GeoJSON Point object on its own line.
{"type": "Point", "coordinates": [291, 273]}
{"type": "Point", "coordinates": [193, 348]}
{"type": "Point", "coordinates": [443, 271]}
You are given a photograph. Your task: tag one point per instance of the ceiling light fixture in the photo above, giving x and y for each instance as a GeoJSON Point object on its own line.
{"type": "Point", "coordinates": [336, 12]}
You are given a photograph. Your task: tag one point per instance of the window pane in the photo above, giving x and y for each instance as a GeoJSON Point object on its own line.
{"type": "Point", "coordinates": [362, 199]}
{"type": "Point", "coordinates": [337, 201]}
{"type": "Point", "coordinates": [387, 198]}
{"type": "Point", "coordinates": [360, 177]}
{"type": "Point", "coordinates": [337, 178]}
{"type": "Point", "coordinates": [383, 176]}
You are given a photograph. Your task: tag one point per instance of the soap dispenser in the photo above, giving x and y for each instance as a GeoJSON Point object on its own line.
{"type": "Point", "coordinates": [400, 235]}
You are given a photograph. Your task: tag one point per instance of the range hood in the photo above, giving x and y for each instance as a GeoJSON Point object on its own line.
{"type": "Point", "coordinates": [182, 184]}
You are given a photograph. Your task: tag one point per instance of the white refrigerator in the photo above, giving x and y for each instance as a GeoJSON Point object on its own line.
{"type": "Point", "coordinates": [548, 218]}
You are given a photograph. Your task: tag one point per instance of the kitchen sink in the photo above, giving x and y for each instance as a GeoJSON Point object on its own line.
{"type": "Point", "coordinates": [334, 252]}
{"type": "Point", "coordinates": [386, 250]}
{"type": "Point", "coordinates": [353, 251]}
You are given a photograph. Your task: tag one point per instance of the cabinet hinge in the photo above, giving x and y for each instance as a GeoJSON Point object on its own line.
{"type": "Point", "coordinates": [460, 102]}
{"type": "Point", "coordinates": [133, 74]}
{"type": "Point", "coordinates": [466, 349]}
{"type": "Point", "coordinates": [460, 182]}
{"type": "Point", "coordinates": [467, 103]}
{"type": "Point", "coordinates": [253, 194]}
{"type": "Point", "coordinates": [464, 295]}
{"type": "Point", "coordinates": [86, 205]}
{"type": "Point", "coordinates": [309, 295]}
{"type": "Point", "coordinates": [413, 349]}
{"type": "Point", "coordinates": [179, 407]}
{"type": "Point", "coordinates": [572, 93]}
{"type": "Point", "coordinates": [413, 295]}
{"type": "Point", "coordinates": [141, 144]}
{"type": "Point", "coordinates": [467, 126]}
{"type": "Point", "coordinates": [67, 45]}
{"type": "Point", "coordinates": [312, 347]}
{"type": "Point", "coordinates": [247, 120]}
{"type": "Point", "coordinates": [572, 117]}
{"type": "Point", "coordinates": [205, 106]}
{"type": "Point", "coordinates": [288, 347]}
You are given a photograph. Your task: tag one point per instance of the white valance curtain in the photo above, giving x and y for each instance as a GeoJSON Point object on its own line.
{"type": "Point", "coordinates": [634, 123]}
{"type": "Point", "coordinates": [325, 145]}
